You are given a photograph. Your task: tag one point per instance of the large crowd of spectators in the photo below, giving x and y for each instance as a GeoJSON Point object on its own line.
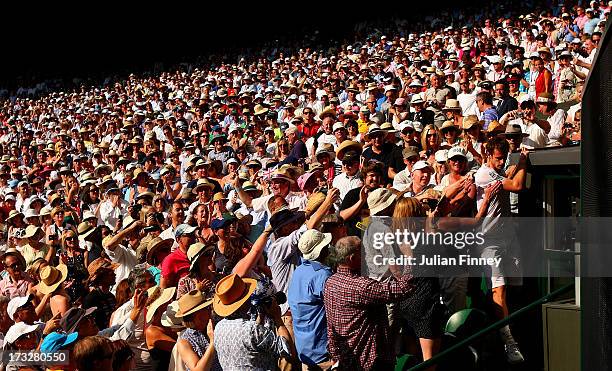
{"type": "Point", "coordinates": [214, 218]}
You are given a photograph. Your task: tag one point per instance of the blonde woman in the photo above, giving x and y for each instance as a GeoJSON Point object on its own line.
{"type": "Point", "coordinates": [77, 260]}
{"type": "Point", "coordinates": [421, 310]}
{"type": "Point", "coordinates": [282, 150]}
{"type": "Point", "coordinates": [431, 140]}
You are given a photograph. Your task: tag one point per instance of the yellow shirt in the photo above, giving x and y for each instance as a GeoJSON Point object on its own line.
{"type": "Point", "coordinates": [362, 126]}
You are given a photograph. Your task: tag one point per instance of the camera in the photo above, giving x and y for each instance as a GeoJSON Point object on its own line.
{"type": "Point", "coordinates": [136, 209]}
{"type": "Point", "coordinates": [280, 297]}
{"type": "Point", "coordinates": [432, 203]}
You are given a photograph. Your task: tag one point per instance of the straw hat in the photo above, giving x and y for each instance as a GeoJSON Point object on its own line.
{"type": "Point", "coordinates": [469, 121]}
{"type": "Point", "coordinates": [231, 292]}
{"type": "Point", "coordinates": [32, 231]}
{"type": "Point", "coordinates": [248, 186]}
{"type": "Point", "coordinates": [156, 244]}
{"type": "Point", "coordinates": [326, 148]}
{"type": "Point", "coordinates": [196, 251]}
{"type": "Point", "coordinates": [452, 105]}
{"type": "Point", "coordinates": [328, 111]}
{"type": "Point", "coordinates": [448, 124]}
{"type": "Point", "coordinates": [314, 202]}
{"type": "Point", "coordinates": [495, 127]}
{"type": "Point", "coordinates": [85, 229]}
{"type": "Point", "coordinates": [202, 183]}
{"type": "Point", "coordinates": [219, 196]}
{"type": "Point", "coordinates": [51, 278]}
{"type": "Point", "coordinates": [166, 295]}
{"type": "Point", "coordinates": [100, 263]}
{"type": "Point", "coordinates": [191, 303]}
{"type": "Point", "coordinates": [169, 318]}
{"type": "Point", "coordinates": [373, 129]}
{"type": "Point", "coordinates": [346, 146]}
{"type": "Point", "coordinates": [283, 174]}
{"type": "Point", "coordinates": [14, 214]}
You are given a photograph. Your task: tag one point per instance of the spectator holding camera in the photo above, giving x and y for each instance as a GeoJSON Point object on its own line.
{"type": "Point", "coordinates": [260, 346]}
{"type": "Point", "coordinates": [121, 248]}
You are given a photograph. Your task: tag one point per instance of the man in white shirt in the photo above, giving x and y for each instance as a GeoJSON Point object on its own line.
{"type": "Point", "coordinates": [467, 98]}
{"type": "Point", "coordinates": [350, 177]}
{"type": "Point", "coordinates": [498, 232]}
{"type": "Point", "coordinates": [121, 249]}
{"type": "Point", "coordinates": [536, 136]}
{"type": "Point", "coordinates": [113, 208]}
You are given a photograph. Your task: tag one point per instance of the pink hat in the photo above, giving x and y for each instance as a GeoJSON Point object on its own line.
{"type": "Point", "coordinates": [400, 102]}
{"type": "Point", "coordinates": [303, 179]}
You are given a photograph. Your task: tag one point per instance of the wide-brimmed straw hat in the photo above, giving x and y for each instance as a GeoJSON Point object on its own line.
{"type": "Point", "coordinates": [100, 263]}
{"type": "Point", "coordinates": [231, 293]}
{"type": "Point", "coordinates": [469, 121]}
{"type": "Point", "coordinates": [196, 251]}
{"type": "Point", "coordinates": [156, 244]}
{"type": "Point", "coordinates": [51, 278]}
{"type": "Point", "coordinates": [191, 303]}
{"type": "Point", "coordinates": [169, 318]}
{"type": "Point", "coordinates": [165, 296]}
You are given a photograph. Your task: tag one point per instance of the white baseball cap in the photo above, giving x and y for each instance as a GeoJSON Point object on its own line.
{"type": "Point", "coordinates": [337, 125]}
{"type": "Point", "coordinates": [420, 165]}
{"type": "Point", "coordinates": [16, 303]}
{"type": "Point", "coordinates": [456, 151]}
{"type": "Point", "coordinates": [441, 155]}
{"type": "Point", "coordinates": [18, 330]}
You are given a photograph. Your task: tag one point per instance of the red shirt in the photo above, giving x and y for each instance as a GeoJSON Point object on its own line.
{"type": "Point", "coordinates": [309, 130]}
{"type": "Point", "coordinates": [175, 266]}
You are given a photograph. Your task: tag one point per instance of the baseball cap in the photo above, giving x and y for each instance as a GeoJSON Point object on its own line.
{"type": "Point", "coordinates": [18, 330]}
{"type": "Point", "coordinates": [184, 229]}
{"type": "Point", "coordinates": [441, 155]}
{"type": "Point", "coordinates": [16, 303]}
{"type": "Point", "coordinates": [409, 152]}
{"type": "Point", "coordinates": [456, 151]}
{"type": "Point", "coordinates": [337, 125]}
{"type": "Point", "coordinates": [420, 165]}
{"type": "Point", "coordinates": [56, 341]}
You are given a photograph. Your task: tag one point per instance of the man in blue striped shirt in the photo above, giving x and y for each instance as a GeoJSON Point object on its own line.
{"type": "Point", "coordinates": [484, 101]}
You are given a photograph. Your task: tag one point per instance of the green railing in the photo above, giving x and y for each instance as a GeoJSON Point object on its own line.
{"type": "Point", "coordinates": [442, 355]}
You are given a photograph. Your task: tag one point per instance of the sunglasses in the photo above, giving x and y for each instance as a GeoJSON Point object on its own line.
{"type": "Point", "coordinates": [15, 266]}
{"type": "Point", "coordinates": [70, 238]}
